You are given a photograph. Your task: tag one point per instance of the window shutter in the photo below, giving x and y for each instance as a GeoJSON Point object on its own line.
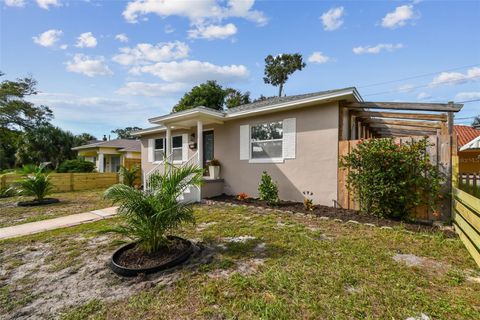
{"type": "Point", "coordinates": [289, 138]}
{"type": "Point", "coordinates": [244, 142]}
{"type": "Point", "coordinates": [150, 149]}
{"type": "Point", "coordinates": [184, 147]}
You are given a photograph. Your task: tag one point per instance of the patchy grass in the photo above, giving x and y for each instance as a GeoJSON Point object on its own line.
{"type": "Point", "coordinates": [251, 266]}
{"type": "Point", "coordinates": [70, 203]}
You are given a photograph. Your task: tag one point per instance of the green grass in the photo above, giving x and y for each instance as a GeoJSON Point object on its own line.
{"type": "Point", "coordinates": [352, 275]}
{"type": "Point", "coordinates": [70, 203]}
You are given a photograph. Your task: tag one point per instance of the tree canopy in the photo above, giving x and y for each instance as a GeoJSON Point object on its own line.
{"type": "Point", "coordinates": [279, 68]}
{"type": "Point", "coordinates": [124, 133]}
{"type": "Point", "coordinates": [211, 95]}
{"type": "Point", "coordinates": [476, 121]}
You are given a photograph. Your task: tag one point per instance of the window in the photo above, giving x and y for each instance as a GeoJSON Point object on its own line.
{"type": "Point", "coordinates": [266, 140]}
{"type": "Point", "coordinates": [159, 150]}
{"type": "Point", "coordinates": [177, 148]}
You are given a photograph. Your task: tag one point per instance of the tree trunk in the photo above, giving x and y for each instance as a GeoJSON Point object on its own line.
{"type": "Point", "coordinates": [280, 89]}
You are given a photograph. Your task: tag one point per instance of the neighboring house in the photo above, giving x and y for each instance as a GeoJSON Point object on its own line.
{"type": "Point", "coordinates": [295, 139]}
{"type": "Point", "coordinates": [468, 142]}
{"type": "Point", "coordinates": [109, 155]}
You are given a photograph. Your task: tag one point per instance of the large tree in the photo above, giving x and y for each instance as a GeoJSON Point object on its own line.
{"type": "Point", "coordinates": [279, 68]}
{"type": "Point", "coordinates": [235, 98]}
{"type": "Point", "coordinates": [17, 114]}
{"type": "Point", "coordinates": [46, 143]}
{"type": "Point", "coordinates": [211, 95]}
{"type": "Point", "coordinates": [125, 132]}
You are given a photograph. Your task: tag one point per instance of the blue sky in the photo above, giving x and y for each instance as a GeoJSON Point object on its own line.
{"type": "Point", "coordinates": [108, 64]}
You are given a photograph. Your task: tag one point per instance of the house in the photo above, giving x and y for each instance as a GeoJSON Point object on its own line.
{"type": "Point", "coordinates": [109, 155]}
{"type": "Point", "coordinates": [468, 142]}
{"type": "Point", "coordinates": [295, 139]}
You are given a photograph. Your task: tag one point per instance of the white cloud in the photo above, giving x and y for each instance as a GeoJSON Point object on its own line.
{"type": "Point", "coordinates": [86, 40]}
{"type": "Point", "coordinates": [318, 57]}
{"type": "Point", "coordinates": [48, 38]}
{"type": "Point", "coordinates": [143, 53]}
{"type": "Point", "coordinates": [122, 37]}
{"type": "Point", "coordinates": [378, 48]}
{"type": "Point", "coordinates": [404, 88]}
{"type": "Point", "coordinates": [64, 46]}
{"type": "Point", "coordinates": [423, 96]}
{"type": "Point", "coordinates": [45, 4]}
{"type": "Point", "coordinates": [463, 96]}
{"type": "Point", "coordinates": [193, 71]}
{"type": "Point", "coordinates": [88, 66]}
{"type": "Point", "coordinates": [15, 3]}
{"type": "Point", "coordinates": [451, 78]}
{"type": "Point", "coordinates": [198, 12]}
{"type": "Point", "coordinates": [152, 89]}
{"type": "Point", "coordinates": [169, 29]}
{"type": "Point", "coordinates": [332, 19]}
{"type": "Point", "coordinates": [213, 32]}
{"type": "Point", "coordinates": [399, 17]}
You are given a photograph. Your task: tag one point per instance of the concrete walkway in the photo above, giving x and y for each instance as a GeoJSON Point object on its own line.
{"type": "Point", "coordinates": [62, 222]}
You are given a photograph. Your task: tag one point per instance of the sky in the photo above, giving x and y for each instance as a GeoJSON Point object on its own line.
{"type": "Point", "coordinates": [102, 65]}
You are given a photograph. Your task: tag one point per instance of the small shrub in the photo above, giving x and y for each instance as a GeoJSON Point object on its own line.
{"type": "Point", "coordinates": [389, 179]}
{"type": "Point", "coordinates": [129, 175]}
{"type": "Point", "coordinates": [37, 185]}
{"type": "Point", "coordinates": [76, 165]}
{"type": "Point", "coordinates": [268, 189]}
{"type": "Point", "coordinates": [7, 192]}
{"type": "Point", "coordinates": [242, 196]}
{"type": "Point", "coordinates": [29, 168]}
{"type": "Point", "coordinates": [308, 201]}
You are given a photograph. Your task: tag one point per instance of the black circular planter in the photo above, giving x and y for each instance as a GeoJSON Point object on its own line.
{"type": "Point", "coordinates": [132, 272]}
{"type": "Point", "coordinates": [37, 202]}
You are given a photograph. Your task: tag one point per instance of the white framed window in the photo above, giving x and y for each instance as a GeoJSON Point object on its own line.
{"type": "Point", "coordinates": [177, 147]}
{"type": "Point", "coordinates": [159, 150]}
{"type": "Point", "coordinates": [266, 141]}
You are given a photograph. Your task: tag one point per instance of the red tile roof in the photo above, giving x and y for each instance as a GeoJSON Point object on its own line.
{"type": "Point", "coordinates": [465, 134]}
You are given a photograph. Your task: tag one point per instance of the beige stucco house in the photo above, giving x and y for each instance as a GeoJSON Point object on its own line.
{"type": "Point", "coordinates": [109, 155]}
{"type": "Point", "coordinates": [295, 139]}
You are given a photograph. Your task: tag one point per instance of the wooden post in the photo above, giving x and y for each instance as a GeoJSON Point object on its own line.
{"type": "Point", "coordinates": [72, 182]}
{"type": "Point", "coordinates": [3, 181]}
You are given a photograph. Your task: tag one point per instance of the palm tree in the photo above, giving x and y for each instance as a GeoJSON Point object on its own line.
{"type": "Point", "coordinates": [129, 175]}
{"type": "Point", "coordinates": [150, 215]}
{"type": "Point", "coordinates": [37, 184]}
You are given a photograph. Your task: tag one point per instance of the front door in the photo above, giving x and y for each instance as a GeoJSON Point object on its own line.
{"type": "Point", "coordinates": [207, 146]}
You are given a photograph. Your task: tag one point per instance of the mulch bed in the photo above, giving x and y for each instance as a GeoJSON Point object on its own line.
{"type": "Point", "coordinates": [337, 213]}
{"type": "Point", "coordinates": [42, 202]}
{"type": "Point", "coordinates": [136, 258]}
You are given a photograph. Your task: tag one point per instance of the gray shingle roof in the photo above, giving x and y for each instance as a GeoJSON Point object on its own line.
{"type": "Point", "coordinates": [276, 100]}
{"type": "Point", "coordinates": [124, 144]}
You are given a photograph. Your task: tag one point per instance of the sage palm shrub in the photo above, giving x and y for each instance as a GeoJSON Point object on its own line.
{"type": "Point", "coordinates": [268, 189]}
{"type": "Point", "coordinates": [389, 179]}
{"type": "Point", "coordinates": [129, 175]}
{"type": "Point", "coordinates": [151, 215]}
{"type": "Point", "coordinates": [37, 184]}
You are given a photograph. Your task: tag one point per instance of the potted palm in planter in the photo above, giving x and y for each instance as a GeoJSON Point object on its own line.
{"type": "Point", "coordinates": [214, 169]}
{"type": "Point", "coordinates": [150, 218]}
{"type": "Point", "coordinates": [38, 185]}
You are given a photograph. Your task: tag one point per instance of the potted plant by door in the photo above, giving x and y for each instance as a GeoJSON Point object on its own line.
{"type": "Point", "coordinates": [214, 169]}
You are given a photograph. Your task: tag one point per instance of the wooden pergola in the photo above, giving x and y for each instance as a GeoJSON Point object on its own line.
{"type": "Point", "coordinates": [395, 119]}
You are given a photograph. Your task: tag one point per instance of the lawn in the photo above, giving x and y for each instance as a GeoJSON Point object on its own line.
{"type": "Point", "coordinates": [248, 264]}
{"type": "Point", "coordinates": [70, 203]}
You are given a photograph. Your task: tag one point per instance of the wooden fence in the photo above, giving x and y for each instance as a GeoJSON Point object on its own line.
{"type": "Point", "coordinates": [465, 214]}
{"type": "Point", "coordinates": [70, 181]}
{"type": "Point", "coordinates": [439, 152]}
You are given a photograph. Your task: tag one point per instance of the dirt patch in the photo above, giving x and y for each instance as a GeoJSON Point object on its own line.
{"type": "Point", "coordinates": [336, 213]}
{"type": "Point", "coordinates": [52, 292]}
{"type": "Point", "coordinates": [427, 264]}
{"type": "Point", "coordinates": [240, 239]}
